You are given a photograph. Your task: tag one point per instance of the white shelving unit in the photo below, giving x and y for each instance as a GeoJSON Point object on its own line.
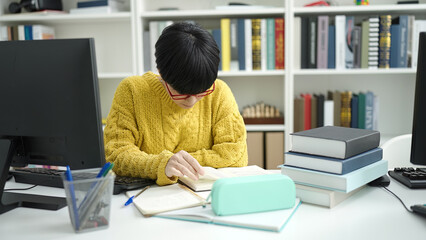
{"type": "Point", "coordinates": [119, 49]}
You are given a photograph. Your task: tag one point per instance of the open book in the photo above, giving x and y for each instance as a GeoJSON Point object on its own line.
{"type": "Point", "coordinates": [268, 221]}
{"type": "Point", "coordinates": [205, 182]}
{"type": "Point", "coordinates": [158, 199]}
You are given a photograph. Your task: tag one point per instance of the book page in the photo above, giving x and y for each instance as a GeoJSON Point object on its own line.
{"type": "Point", "coordinates": [165, 198]}
{"type": "Point", "coordinates": [243, 171]}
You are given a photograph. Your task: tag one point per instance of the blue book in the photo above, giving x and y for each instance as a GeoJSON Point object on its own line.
{"type": "Point", "coordinates": [270, 44]}
{"type": "Point", "coordinates": [241, 44]}
{"type": "Point", "coordinates": [395, 45]}
{"type": "Point", "coordinates": [403, 41]}
{"type": "Point", "coordinates": [95, 3]}
{"type": "Point", "coordinates": [331, 47]}
{"type": "Point", "coordinates": [28, 29]}
{"type": "Point", "coordinates": [342, 183]}
{"type": "Point", "coordinates": [369, 104]}
{"type": "Point", "coordinates": [217, 35]}
{"type": "Point", "coordinates": [333, 165]}
{"type": "Point", "coordinates": [354, 111]}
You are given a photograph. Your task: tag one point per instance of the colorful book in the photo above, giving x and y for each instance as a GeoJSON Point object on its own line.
{"type": "Point", "coordinates": [263, 45]}
{"type": "Point", "coordinates": [333, 165]}
{"type": "Point", "coordinates": [322, 43]}
{"type": "Point", "coordinates": [344, 183]}
{"type": "Point", "coordinates": [373, 42]}
{"type": "Point", "coordinates": [337, 99]}
{"type": "Point", "coordinates": [356, 46]}
{"type": "Point", "coordinates": [322, 197]}
{"type": "Point", "coordinates": [307, 109]}
{"type": "Point", "coordinates": [384, 41]}
{"type": "Point", "coordinates": [314, 111]}
{"type": "Point", "coordinates": [369, 104]}
{"type": "Point", "coordinates": [395, 45]}
{"type": "Point", "coordinates": [217, 35]}
{"type": "Point", "coordinates": [225, 27]}
{"type": "Point", "coordinates": [335, 142]}
{"type": "Point", "coordinates": [331, 47]}
{"type": "Point", "coordinates": [312, 47]}
{"type": "Point", "coordinates": [299, 114]}
{"type": "Point", "coordinates": [304, 53]}
{"type": "Point", "coordinates": [328, 112]}
{"type": "Point", "coordinates": [256, 44]}
{"type": "Point", "coordinates": [349, 54]}
{"type": "Point", "coordinates": [42, 32]}
{"type": "Point", "coordinates": [274, 221]}
{"type": "Point", "coordinates": [279, 43]}
{"type": "Point", "coordinates": [345, 113]}
{"type": "Point", "coordinates": [297, 39]}
{"type": "Point", "coordinates": [320, 110]}
{"type": "Point", "coordinates": [400, 59]}
{"type": "Point", "coordinates": [270, 44]}
{"type": "Point", "coordinates": [234, 44]}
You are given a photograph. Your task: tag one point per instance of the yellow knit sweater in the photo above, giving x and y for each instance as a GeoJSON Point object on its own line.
{"type": "Point", "coordinates": [145, 128]}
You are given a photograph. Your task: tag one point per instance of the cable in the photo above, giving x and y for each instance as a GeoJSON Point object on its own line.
{"type": "Point", "coordinates": [403, 204]}
{"type": "Point", "coordinates": [18, 189]}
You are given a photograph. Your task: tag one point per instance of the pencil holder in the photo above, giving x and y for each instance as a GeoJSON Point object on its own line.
{"type": "Point", "coordinates": [89, 199]}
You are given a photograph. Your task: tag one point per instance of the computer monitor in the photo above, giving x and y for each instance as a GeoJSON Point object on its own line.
{"type": "Point", "coordinates": [49, 111]}
{"type": "Point", "coordinates": [418, 140]}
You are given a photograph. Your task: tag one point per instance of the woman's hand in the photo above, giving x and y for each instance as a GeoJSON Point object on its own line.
{"type": "Point", "coordinates": [182, 163]}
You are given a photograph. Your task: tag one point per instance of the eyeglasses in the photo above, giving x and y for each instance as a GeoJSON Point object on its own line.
{"type": "Point", "coordinates": [186, 96]}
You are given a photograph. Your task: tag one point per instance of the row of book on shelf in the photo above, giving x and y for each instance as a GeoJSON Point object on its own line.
{"type": "Point", "coordinates": [245, 44]}
{"type": "Point", "coordinates": [26, 32]}
{"type": "Point", "coordinates": [337, 108]}
{"type": "Point", "coordinates": [346, 42]}
{"type": "Point", "coordinates": [330, 164]}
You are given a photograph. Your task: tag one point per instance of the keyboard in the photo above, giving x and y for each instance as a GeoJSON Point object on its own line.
{"type": "Point", "coordinates": [53, 178]}
{"type": "Point", "coordinates": [410, 177]}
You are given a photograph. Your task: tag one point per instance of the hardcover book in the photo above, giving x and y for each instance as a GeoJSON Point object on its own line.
{"type": "Point", "coordinates": [349, 53]}
{"type": "Point", "coordinates": [384, 41]}
{"type": "Point", "coordinates": [322, 197]}
{"type": "Point", "coordinates": [334, 141]}
{"type": "Point", "coordinates": [279, 43]}
{"type": "Point", "coordinates": [225, 28]}
{"type": "Point", "coordinates": [270, 44]}
{"type": "Point", "coordinates": [345, 114]}
{"type": "Point", "coordinates": [241, 44]}
{"type": "Point", "coordinates": [344, 183]}
{"type": "Point", "coordinates": [331, 59]}
{"type": "Point", "coordinates": [340, 22]}
{"type": "Point", "coordinates": [322, 42]}
{"type": "Point", "coordinates": [256, 44]}
{"type": "Point", "coordinates": [312, 47]}
{"type": "Point", "coordinates": [248, 48]}
{"type": "Point", "coordinates": [333, 165]}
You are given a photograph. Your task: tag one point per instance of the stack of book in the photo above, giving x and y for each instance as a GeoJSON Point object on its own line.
{"type": "Point", "coordinates": [333, 162]}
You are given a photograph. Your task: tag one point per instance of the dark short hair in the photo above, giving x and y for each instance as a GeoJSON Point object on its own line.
{"type": "Point", "coordinates": [187, 57]}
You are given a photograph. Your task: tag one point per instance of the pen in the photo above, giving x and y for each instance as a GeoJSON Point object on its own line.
{"type": "Point", "coordinates": [74, 205]}
{"type": "Point", "coordinates": [130, 200]}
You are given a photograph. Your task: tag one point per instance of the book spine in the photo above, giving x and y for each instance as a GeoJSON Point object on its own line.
{"type": "Point", "coordinates": [337, 99]}
{"type": "Point", "coordinates": [320, 110]}
{"type": "Point", "coordinates": [369, 103]}
{"type": "Point", "coordinates": [256, 44]}
{"type": "Point", "coordinates": [403, 22]}
{"type": "Point", "coordinates": [373, 42]}
{"type": "Point", "coordinates": [279, 44]}
{"type": "Point", "coordinates": [349, 54]}
{"type": "Point", "coordinates": [357, 47]}
{"type": "Point", "coordinates": [307, 108]}
{"type": "Point", "coordinates": [361, 110]}
{"type": "Point", "coordinates": [322, 43]}
{"type": "Point", "coordinates": [354, 111]}
{"type": "Point", "coordinates": [153, 32]}
{"type": "Point", "coordinates": [384, 41]}
{"type": "Point", "coordinates": [362, 160]}
{"type": "Point", "coordinates": [314, 111]}
{"type": "Point", "coordinates": [299, 114]}
{"type": "Point", "coordinates": [364, 44]}
{"type": "Point", "coordinates": [313, 22]}
{"type": "Point", "coordinates": [241, 44]}
{"type": "Point", "coordinates": [225, 27]}
{"type": "Point", "coordinates": [340, 22]}
{"type": "Point", "coordinates": [328, 113]}
{"type": "Point", "coordinates": [234, 45]}
{"type": "Point", "coordinates": [331, 59]}
{"type": "Point", "coordinates": [304, 53]}
{"type": "Point", "coordinates": [297, 42]}
{"type": "Point", "coordinates": [217, 35]}
{"type": "Point", "coordinates": [270, 43]}
{"type": "Point", "coordinates": [248, 45]}
{"type": "Point", "coordinates": [395, 44]}
{"type": "Point", "coordinates": [345, 114]}
{"type": "Point", "coordinates": [263, 45]}
{"type": "Point", "coordinates": [147, 51]}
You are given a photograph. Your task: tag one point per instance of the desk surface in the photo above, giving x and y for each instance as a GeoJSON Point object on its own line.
{"type": "Point", "coordinates": [372, 213]}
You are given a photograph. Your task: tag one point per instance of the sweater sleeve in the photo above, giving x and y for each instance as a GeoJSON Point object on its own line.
{"type": "Point", "coordinates": [229, 135]}
{"type": "Point", "coordinates": [121, 137]}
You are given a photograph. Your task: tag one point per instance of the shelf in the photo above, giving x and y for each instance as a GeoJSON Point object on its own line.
{"type": "Point", "coordinates": [394, 8]}
{"type": "Point", "coordinates": [211, 13]}
{"type": "Point", "coordinates": [265, 128]}
{"type": "Point", "coordinates": [310, 72]}
{"type": "Point", "coordinates": [65, 18]}
{"type": "Point", "coordinates": [114, 75]}
{"type": "Point", "coordinates": [251, 73]}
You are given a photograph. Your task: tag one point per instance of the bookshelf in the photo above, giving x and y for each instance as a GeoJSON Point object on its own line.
{"type": "Point", "coordinates": [120, 53]}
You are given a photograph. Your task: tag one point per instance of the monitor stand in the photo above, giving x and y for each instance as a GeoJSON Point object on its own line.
{"type": "Point", "coordinates": [8, 200]}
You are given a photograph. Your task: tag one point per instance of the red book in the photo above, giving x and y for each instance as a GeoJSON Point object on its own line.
{"type": "Point", "coordinates": [307, 98]}
{"type": "Point", "coordinates": [279, 43]}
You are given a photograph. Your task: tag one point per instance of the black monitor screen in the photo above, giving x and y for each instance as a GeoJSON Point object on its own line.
{"type": "Point", "coordinates": [49, 99]}
{"type": "Point", "coordinates": [418, 142]}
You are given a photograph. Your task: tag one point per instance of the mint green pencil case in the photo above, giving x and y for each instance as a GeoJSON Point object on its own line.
{"type": "Point", "coordinates": [250, 194]}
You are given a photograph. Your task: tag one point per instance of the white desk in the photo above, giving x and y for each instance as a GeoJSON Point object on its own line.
{"type": "Point", "coordinates": [372, 213]}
